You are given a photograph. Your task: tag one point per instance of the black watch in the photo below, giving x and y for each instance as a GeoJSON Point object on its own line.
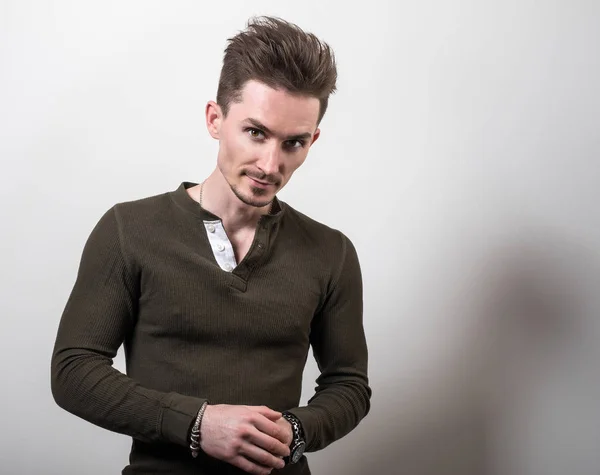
{"type": "Point", "coordinates": [298, 443]}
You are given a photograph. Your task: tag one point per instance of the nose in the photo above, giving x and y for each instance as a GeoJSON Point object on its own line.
{"type": "Point", "coordinates": [269, 161]}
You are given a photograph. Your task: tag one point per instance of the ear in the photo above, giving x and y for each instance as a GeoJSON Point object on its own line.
{"type": "Point", "coordinates": [316, 135]}
{"type": "Point", "coordinates": [214, 118]}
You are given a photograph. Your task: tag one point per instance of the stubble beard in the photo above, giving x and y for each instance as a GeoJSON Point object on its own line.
{"type": "Point", "coordinates": [254, 200]}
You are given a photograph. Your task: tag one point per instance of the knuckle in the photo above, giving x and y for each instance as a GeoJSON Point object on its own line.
{"type": "Point", "coordinates": [242, 432]}
{"type": "Point", "coordinates": [235, 447]}
{"type": "Point", "coordinates": [231, 453]}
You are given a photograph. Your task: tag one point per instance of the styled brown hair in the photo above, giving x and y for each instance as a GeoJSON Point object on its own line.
{"type": "Point", "coordinates": [282, 56]}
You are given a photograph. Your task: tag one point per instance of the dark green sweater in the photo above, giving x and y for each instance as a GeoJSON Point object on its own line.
{"type": "Point", "coordinates": [192, 332]}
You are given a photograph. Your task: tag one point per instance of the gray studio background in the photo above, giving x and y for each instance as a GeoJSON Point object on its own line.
{"type": "Point", "coordinates": [460, 155]}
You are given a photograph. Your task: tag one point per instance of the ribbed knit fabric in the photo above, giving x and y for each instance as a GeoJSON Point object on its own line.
{"type": "Point", "coordinates": [193, 332]}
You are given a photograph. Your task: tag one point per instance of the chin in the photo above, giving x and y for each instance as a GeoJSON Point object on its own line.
{"type": "Point", "coordinates": [251, 196]}
{"type": "Point", "coordinates": [260, 200]}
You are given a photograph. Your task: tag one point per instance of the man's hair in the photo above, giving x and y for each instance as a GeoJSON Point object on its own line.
{"type": "Point", "coordinates": [280, 55]}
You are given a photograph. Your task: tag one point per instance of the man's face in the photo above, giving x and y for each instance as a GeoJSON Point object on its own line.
{"type": "Point", "coordinates": [263, 140]}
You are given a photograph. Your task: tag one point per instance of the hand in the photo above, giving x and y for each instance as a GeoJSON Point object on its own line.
{"type": "Point", "coordinates": [248, 437]}
{"type": "Point", "coordinates": [287, 427]}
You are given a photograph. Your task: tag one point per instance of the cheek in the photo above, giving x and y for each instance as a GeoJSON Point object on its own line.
{"type": "Point", "coordinates": [235, 151]}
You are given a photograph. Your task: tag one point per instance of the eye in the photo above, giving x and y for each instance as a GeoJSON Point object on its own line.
{"type": "Point", "coordinates": [294, 144]}
{"type": "Point", "coordinates": [256, 134]}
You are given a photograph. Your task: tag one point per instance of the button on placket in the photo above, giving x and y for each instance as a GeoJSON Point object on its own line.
{"type": "Point", "coordinates": [221, 247]}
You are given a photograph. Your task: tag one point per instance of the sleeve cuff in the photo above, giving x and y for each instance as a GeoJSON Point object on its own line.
{"type": "Point", "coordinates": [310, 425]}
{"type": "Point", "coordinates": [179, 413]}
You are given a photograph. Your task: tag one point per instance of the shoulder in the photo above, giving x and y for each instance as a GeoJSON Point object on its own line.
{"type": "Point", "coordinates": [142, 206]}
{"type": "Point", "coordinates": [135, 217]}
{"type": "Point", "coordinates": [332, 242]}
{"type": "Point", "coordinates": [143, 212]}
{"type": "Point", "coordinates": [307, 224]}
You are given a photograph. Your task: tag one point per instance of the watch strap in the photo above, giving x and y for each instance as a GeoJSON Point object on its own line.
{"type": "Point", "coordinates": [298, 441]}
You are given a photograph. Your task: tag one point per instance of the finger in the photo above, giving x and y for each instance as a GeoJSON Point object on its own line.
{"type": "Point", "coordinates": [269, 427]}
{"type": "Point", "coordinates": [268, 443]}
{"type": "Point", "coordinates": [267, 412]}
{"type": "Point", "coordinates": [249, 466]}
{"type": "Point", "coordinates": [260, 456]}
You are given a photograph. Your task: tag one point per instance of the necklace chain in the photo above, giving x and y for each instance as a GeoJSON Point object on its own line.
{"type": "Point", "coordinates": [201, 190]}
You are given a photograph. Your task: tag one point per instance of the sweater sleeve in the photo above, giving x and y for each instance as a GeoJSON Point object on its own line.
{"type": "Point", "coordinates": [99, 315]}
{"type": "Point", "coordinates": [342, 396]}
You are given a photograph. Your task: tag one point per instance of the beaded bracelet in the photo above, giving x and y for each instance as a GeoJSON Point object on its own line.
{"type": "Point", "coordinates": [195, 434]}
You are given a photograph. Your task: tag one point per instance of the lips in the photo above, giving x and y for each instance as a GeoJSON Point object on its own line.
{"type": "Point", "coordinates": [259, 182]}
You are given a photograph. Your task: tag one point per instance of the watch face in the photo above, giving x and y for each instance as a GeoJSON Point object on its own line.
{"type": "Point", "coordinates": [298, 451]}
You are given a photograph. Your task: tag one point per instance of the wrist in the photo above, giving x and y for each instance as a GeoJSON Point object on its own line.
{"type": "Point", "coordinates": [298, 442]}
{"type": "Point", "coordinates": [194, 437]}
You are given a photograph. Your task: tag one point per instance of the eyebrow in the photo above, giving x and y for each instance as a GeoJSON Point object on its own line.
{"type": "Point", "coordinates": [259, 125]}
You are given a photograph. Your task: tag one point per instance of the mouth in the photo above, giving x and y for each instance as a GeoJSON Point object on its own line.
{"type": "Point", "coordinates": [258, 183]}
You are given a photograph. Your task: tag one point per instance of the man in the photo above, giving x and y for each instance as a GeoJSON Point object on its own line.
{"type": "Point", "coordinates": [218, 290]}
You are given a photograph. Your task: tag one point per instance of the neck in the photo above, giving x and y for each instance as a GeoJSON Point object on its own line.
{"type": "Point", "coordinates": [218, 198]}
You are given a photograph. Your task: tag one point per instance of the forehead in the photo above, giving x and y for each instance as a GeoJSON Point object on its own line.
{"type": "Point", "coordinates": [276, 108]}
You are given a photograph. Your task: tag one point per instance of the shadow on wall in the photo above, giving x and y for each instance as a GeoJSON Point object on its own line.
{"type": "Point", "coordinates": [531, 310]}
